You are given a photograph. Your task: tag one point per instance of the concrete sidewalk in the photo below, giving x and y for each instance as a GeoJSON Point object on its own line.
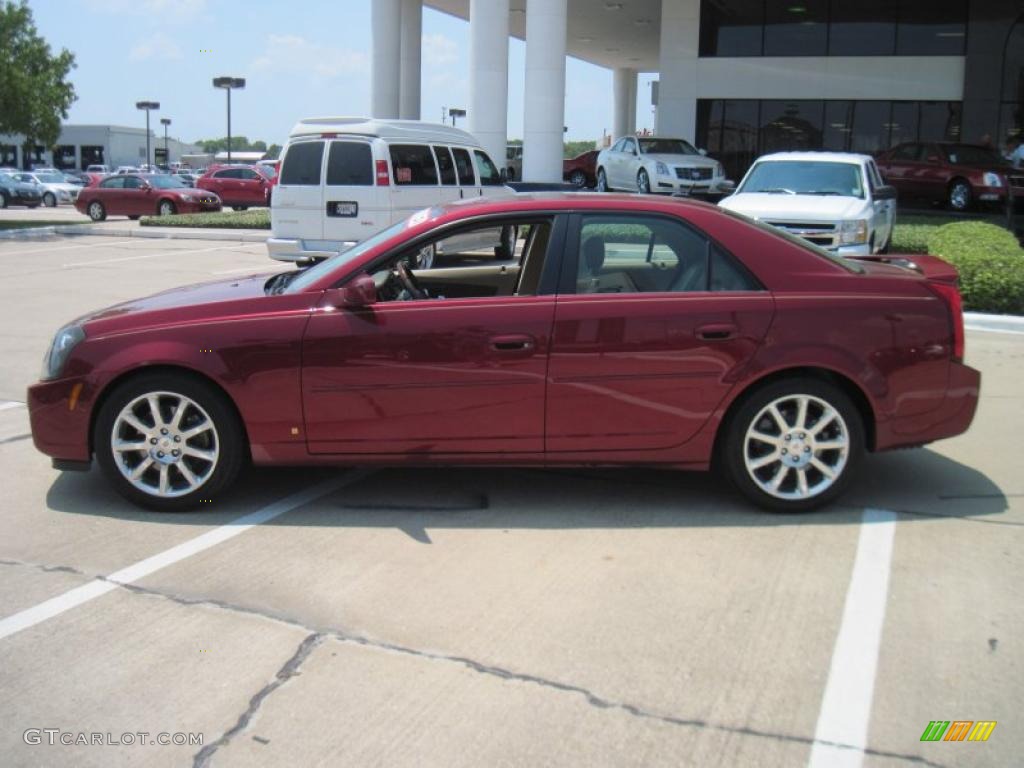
{"type": "Point", "coordinates": [134, 229]}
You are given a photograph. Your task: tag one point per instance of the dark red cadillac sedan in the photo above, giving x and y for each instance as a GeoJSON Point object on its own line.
{"type": "Point", "coordinates": [146, 194]}
{"type": "Point", "coordinates": [618, 330]}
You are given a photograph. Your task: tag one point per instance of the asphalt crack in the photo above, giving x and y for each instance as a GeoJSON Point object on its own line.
{"type": "Point", "coordinates": [45, 568]}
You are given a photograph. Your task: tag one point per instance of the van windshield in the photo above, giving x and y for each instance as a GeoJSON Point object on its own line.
{"type": "Point", "coordinates": [306, 277]}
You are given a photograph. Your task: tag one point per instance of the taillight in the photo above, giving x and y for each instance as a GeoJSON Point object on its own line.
{"type": "Point", "coordinates": [951, 294]}
{"type": "Point", "coordinates": [383, 178]}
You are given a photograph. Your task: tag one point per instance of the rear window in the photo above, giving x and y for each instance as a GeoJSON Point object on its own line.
{"type": "Point", "coordinates": [413, 164]}
{"type": "Point", "coordinates": [489, 175]}
{"type": "Point", "coordinates": [445, 165]}
{"type": "Point", "coordinates": [301, 164]}
{"type": "Point", "coordinates": [350, 163]}
{"type": "Point", "coordinates": [464, 166]}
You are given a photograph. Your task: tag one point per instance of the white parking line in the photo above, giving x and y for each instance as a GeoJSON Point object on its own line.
{"type": "Point", "coordinates": [6, 405]}
{"type": "Point", "coordinates": [83, 594]}
{"type": "Point", "coordinates": [44, 249]}
{"type": "Point", "coordinates": [846, 706]}
{"type": "Point", "coordinates": [164, 252]}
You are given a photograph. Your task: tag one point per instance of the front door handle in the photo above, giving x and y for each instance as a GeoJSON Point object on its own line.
{"type": "Point", "coordinates": [513, 344]}
{"type": "Point", "coordinates": [717, 332]}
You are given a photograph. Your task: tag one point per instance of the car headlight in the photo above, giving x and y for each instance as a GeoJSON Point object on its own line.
{"type": "Point", "coordinates": [853, 232]}
{"type": "Point", "coordinates": [66, 339]}
{"type": "Point", "coordinates": [187, 198]}
{"type": "Point", "coordinates": [661, 168]}
{"type": "Point", "coordinates": [991, 179]}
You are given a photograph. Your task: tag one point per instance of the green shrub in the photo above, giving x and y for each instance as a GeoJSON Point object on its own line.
{"type": "Point", "coordinates": [990, 262]}
{"type": "Point", "coordinates": [258, 218]}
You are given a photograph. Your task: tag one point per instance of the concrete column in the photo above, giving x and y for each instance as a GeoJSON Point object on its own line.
{"type": "Point", "coordinates": [677, 91]}
{"type": "Point", "coordinates": [411, 55]}
{"type": "Point", "coordinates": [386, 23]}
{"type": "Point", "coordinates": [544, 107]}
{"type": "Point", "coordinates": [624, 95]}
{"type": "Point", "coordinates": [488, 75]}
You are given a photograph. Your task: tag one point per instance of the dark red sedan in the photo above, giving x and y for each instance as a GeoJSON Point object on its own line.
{"type": "Point", "coordinates": [239, 186]}
{"type": "Point", "coordinates": [625, 330]}
{"type": "Point", "coordinates": [144, 194]}
{"type": "Point", "coordinates": [958, 175]}
{"type": "Point", "coordinates": [582, 169]}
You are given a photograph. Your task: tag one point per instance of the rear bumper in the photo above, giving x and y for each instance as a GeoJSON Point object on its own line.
{"type": "Point", "coordinates": [950, 419]}
{"type": "Point", "coordinates": [295, 249]}
{"type": "Point", "coordinates": [58, 430]}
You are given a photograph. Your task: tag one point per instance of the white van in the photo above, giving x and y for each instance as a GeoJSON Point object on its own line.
{"type": "Point", "coordinates": [342, 179]}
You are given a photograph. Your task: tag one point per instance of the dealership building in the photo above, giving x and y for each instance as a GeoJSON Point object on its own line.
{"type": "Point", "coordinates": [738, 77]}
{"type": "Point", "coordinates": [80, 146]}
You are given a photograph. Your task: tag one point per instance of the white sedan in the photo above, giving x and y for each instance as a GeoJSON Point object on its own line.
{"type": "Point", "coordinates": [658, 164]}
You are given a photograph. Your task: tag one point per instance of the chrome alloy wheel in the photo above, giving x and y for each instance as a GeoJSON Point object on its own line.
{"type": "Point", "coordinates": [165, 444]}
{"type": "Point", "coordinates": [796, 447]}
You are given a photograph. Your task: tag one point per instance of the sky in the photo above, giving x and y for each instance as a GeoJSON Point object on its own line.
{"type": "Point", "coordinates": [300, 58]}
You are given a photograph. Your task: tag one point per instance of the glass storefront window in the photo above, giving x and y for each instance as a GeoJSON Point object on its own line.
{"type": "Point", "coordinates": [838, 126]}
{"type": "Point", "coordinates": [795, 27]}
{"type": "Point", "coordinates": [64, 156]}
{"type": "Point", "coordinates": [904, 125]}
{"type": "Point", "coordinates": [790, 125]}
{"type": "Point", "coordinates": [8, 156]}
{"type": "Point", "coordinates": [931, 27]}
{"type": "Point", "coordinates": [871, 120]}
{"type": "Point", "coordinates": [731, 27]}
{"type": "Point", "coordinates": [92, 155]}
{"type": "Point", "coordinates": [862, 28]}
{"type": "Point", "coordinates": [940, 121]}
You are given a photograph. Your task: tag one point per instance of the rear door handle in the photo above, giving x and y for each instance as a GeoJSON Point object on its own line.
{"type": "Point", "coordinates": [717, 332]}
{"type": "Point", "coordinates": [513, 343]}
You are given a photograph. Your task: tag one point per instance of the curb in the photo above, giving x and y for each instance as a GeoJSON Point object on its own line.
{"type": "Point", "coordinates": [29, 233]}
{"type": "Point", "coordinates": [978, 321]}
{"type": "Point", "coordinates": [34, 233]}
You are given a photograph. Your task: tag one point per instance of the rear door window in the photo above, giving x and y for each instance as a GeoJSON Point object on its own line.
{"type": "Point", "coordinates": [350, 163]}
{"type": "Point", "coordinates": [248, 174]}
{"type": "Point", "coordinates": [464, 166]}
{"type": "Point", "coordinates": [445, 165]}
{"type": "Point", "coordinates": [413, 164]}
{"type": "Point", "coordinates": [231, 173]}
{"type": "Point", "coordinates": [116, 182]}
{"type": "Point", "coordinates": [489, 175]}
{"type": "Point", "coordinates": [301, 164]}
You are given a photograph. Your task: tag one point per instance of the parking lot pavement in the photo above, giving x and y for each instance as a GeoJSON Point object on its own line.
{"type": "Point", "coordinates": [466, 617]}
{"type": "Point", "coordinates": [42, 213]}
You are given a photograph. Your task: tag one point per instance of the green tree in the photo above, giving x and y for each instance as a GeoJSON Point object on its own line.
{"type": "Point", "coordinates": [273, 152]}
{"type": "Point", "coordinates": [34, 91]}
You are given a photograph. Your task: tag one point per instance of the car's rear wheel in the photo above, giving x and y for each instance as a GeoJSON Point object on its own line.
{"type": "Point", "coordinates": [960, 195]}
{"type": "Point", "coordinates": [643, 182]}
{"type": "Point", "coordinates": [168, 441]}
{"type": "Point", "coordinates": [239, 207]}
{"type": "Point", "coordinates": [793, 445]}
{"type": "Point", "coordinates": [602, 180]}
{"type": "Point", "coordinates": [50, 200]}
{"type": "Point", "coordinates": [578, 178]}
{"type": "Point", "coordinates": [166, 208]}
{"type": "Point", "coordinates": [135, 217]}
{"type": "Point", "coordinates": [96, 211]}
{"type": "Point", "coordinates": [3, 200]}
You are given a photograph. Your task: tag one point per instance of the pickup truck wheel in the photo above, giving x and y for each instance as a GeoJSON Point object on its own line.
{"type": "Point", "coordinates": [960, 195]}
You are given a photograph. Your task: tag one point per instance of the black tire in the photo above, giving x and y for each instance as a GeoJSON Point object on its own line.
{"type": "Point", "coordinates": [50, 200]}
{"type": "Point", "coordinates": [602, 181]}
{"type": "Point", "coordinates": [229, 438]}
{"type": "Point", "coordinates": [96, 211]}
{"type": "Point", "coordinates": [960, 195]}
{"type": "Point", "coordinates": [3, 199]}
{"type": "Point", "coordinates": [643, 182]}
{"type": "Point", "coordinates": [136, 217]}
{"type": "Point", "coordinates": [734, 445]}
{"type": "Point", "coordinates": [166, 208]}
{"type": "Point", "coordinates": [239, 207]}
{"type": "Point", "coordinates": [578, 178]}
{"type": "Point", "coordinates": [33, 206]}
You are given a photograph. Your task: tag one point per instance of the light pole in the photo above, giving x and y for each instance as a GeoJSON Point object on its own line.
{"type": "Point", "coordinates": [454, 113]}
{"type": "Point", "coordinates": [229, 83]}
{"type": "Point", "coordinates": [166, 121]}
{"type": "Point", "coordinates": [147, 105]}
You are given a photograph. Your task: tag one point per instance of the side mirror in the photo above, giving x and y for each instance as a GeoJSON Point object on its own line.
{"type": "Point", "coordinates": [361, 291]}
{"type": "Point", "coordinates": [885, 193]}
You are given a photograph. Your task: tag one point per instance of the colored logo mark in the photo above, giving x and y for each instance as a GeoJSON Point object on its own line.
{"type": "Point", "coordinates": [958, 730]}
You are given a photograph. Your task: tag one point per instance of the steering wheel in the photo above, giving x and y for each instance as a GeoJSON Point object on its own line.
{"type": "Point", "coordinates": [408, 281]}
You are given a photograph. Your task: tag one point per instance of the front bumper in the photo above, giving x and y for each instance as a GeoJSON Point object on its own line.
{"type": "Point", "coordinates": [670, 185]}
{"type": "Point", "coordinates": [294, 249]}
{"type": "Point", "coordinates": [998, 194]}
{"type": "Point", "coordinates": [59, 419]}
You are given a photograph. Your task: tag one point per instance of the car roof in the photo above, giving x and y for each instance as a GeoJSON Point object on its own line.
{"type": "Point", "coordinates": [825, 157]}
{"type": "Point", "coordinates": [561, 201]}
{"type": "Point", "coordinates": [410, 130]}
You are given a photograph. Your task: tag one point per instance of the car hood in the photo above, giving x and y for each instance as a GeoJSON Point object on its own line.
{"type": "Point", "coordinates": [760, 205]}
{"type": "Point", "coordinates": [690, 161]}
{"type": "Point", "coordinates": [185, 304]}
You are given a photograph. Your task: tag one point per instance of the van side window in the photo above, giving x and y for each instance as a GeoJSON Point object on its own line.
{"type": "Point", "coordinates": [350, 163]}
{"type": "Point", "coordinates": [301, 164]}
{"type": "Point", "coordinates": [445, 165]}
{"type": "Point", "coordinates": [489, 175]}
{"type": "Point", "coordinates": [465, 167]}
{"type": "Point", "coordinates": [413, 164]}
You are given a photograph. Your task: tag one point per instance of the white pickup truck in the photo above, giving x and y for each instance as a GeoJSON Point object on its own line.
{"type": "Point", "coordinates": [836, 200]}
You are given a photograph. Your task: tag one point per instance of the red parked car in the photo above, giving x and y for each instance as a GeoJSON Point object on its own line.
{"type": "Point", "coordinates": [628, 330]}
{"type": "Point", "coordinates": [958, 175]}
{"type": "Point", "coordinates": [582, 169]}
{"type": "Point", "coordinates": [149, 194]}
{"type": "Point", "coordinates": [239, 186]}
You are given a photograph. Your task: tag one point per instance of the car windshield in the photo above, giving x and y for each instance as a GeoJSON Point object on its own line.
{"type": "Point", "coordinates": [267, 170]}
{"type": "Point", "coordinates": [667, 147]}
{"type": "Point", "coordinates": [306, 277]}
{"type": "Point", "coordinates": [50, 178]}
{"type": "Point", "coordinates": [804, 177]}
{"type": "Point", "coordinates": [165, 182]}
{"type": "Point", "coordinates": [968, 154]}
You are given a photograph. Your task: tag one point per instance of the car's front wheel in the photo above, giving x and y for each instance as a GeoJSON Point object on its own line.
{"type": "Point", "coordinates": [166, 208]}
{"type": "Point", "coordinates": [793, 445]}
{"type": "Point", "coordinates": [168, 441]}
{"type": "Point", "coordinates": [602, 180]}
{"type": "Point", "coordinates": [96, 211]}
{"type": "Point", "coordinates": [50, 200]}
{"type": "Point", "coordinates": [643, 182]}
{"type": "Point", "coordinates": [3, 200]}
{"type": "Point", "coordinates": [578, 178]}
{"type": "Point", "coordinates": [960, 195]}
